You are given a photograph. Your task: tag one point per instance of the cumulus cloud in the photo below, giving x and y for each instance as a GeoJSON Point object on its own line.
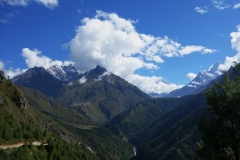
{"type": "Point", "coordinates": [34, 58]}
{"type": "Point", "coordinates": [201, 10]}
{"type": "Point", "coordinates": [14, 72]}
{"type": "Point", "coordinates": [113, 43]}
{"type": "Point", "coordinates": [236, 6]}
{"type": "Point", "coordinates": [219, 4]}
{"type": "Point", "coordinates": [47, 3]}
{"type": "Point", "coordinates": [10, 72]}
{"type": "Point", "coordinates": [191, 76]}
{"type": "Point", "coordinates": [151, 84]}
{"type": "Point", "coordinates": [235, 41]}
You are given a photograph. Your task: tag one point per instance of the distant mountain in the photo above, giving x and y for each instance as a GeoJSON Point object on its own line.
{"type": "Point", "coordinates": [195, 86]}
{"type": "Point", "coordinates": [40, 79]}
{"type": "Point", "coordinates": [49, 81]}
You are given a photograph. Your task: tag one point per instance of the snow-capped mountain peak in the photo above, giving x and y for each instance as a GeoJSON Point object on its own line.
{"type": "Point", "coordinates": [202, 79]}
{"type": "Point", "coordinates": [64, 73]}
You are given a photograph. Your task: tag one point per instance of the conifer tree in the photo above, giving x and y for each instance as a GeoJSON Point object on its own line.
{"type": "Point", "coordinates": [220, 130]}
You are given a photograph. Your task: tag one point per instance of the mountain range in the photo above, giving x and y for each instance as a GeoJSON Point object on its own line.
{"type": "Point", "coordinates": [107, 115]}
{"type": "Point", "coordinates": [97, 94]}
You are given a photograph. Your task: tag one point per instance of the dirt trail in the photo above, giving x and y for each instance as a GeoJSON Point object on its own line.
{"type": "Point", "coordinates": [19, 144]}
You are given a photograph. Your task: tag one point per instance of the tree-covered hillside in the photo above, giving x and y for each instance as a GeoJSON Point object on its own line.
{"type": "Point", "coordinates": [141, 115]}
{"type": "Point", "coordinates": [34, 127]}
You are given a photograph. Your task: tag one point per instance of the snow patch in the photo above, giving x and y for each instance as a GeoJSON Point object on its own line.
{"type": "Point", "coordinates": [82, 80]}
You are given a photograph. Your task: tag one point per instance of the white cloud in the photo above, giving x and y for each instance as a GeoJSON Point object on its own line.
{"type": "Point", "coordinates": [152, 84]}
{"type": "Point", "coordinates": [219, 4]}
{"type": "Point", "coordinates": [236, 6]}
{"type": "Point", "coordinates": [10, 72]}
{"type": "Point", "coordinates": [14, 72]}
{"type": "Point", "coordinates": [34, 58]}
{"type": "Point", "coordinates": [47, 3]}
{"type": "Point", "coordinates": [1, 65]}
{"type": "Point", "coordinates": [191, 76]}
{"type": "Point", "coordinates": [113, 43]}
{"type": "Point", "coordinates": [206, 50]}
{"type": "Point", "coordinates": [235, 41]}
{"type": "Point", "coordinates": [190, 49]}
{"type": "Point", "coordinates": [201, 10]}
{"type": "Point", "coordinates": [16, 2]}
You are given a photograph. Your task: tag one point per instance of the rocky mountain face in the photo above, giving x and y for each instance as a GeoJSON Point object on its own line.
{"type": "Point", "coordinates": [64, 73]}
{"type": "Point", "coordinates": [202, 79]}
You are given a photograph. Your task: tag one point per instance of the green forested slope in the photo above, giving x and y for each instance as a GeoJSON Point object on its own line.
{"type": "Point", "coordinates": [19, 124]}
{"type": "Point", "coordinates": [141, 115]}
{"type": "Point", "coordinates": [167, 121]}
{"type": "Point", "coordinates": [178, 143]}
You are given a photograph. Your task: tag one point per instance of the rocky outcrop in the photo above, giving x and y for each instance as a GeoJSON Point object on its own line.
{"type": "Point", "coordinates": [22, 103]}
{"type": "Point", "coordinates": [66, 136]}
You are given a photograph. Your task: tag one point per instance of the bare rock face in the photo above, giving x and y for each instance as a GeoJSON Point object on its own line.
{"type": "Point", "coordinates": [22, 103]}
{"type": "Point", "coordinates": [2, 77]}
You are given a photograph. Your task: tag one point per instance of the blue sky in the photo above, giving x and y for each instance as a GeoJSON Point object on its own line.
{"type": "Point", "coordinates": [145, 42]}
